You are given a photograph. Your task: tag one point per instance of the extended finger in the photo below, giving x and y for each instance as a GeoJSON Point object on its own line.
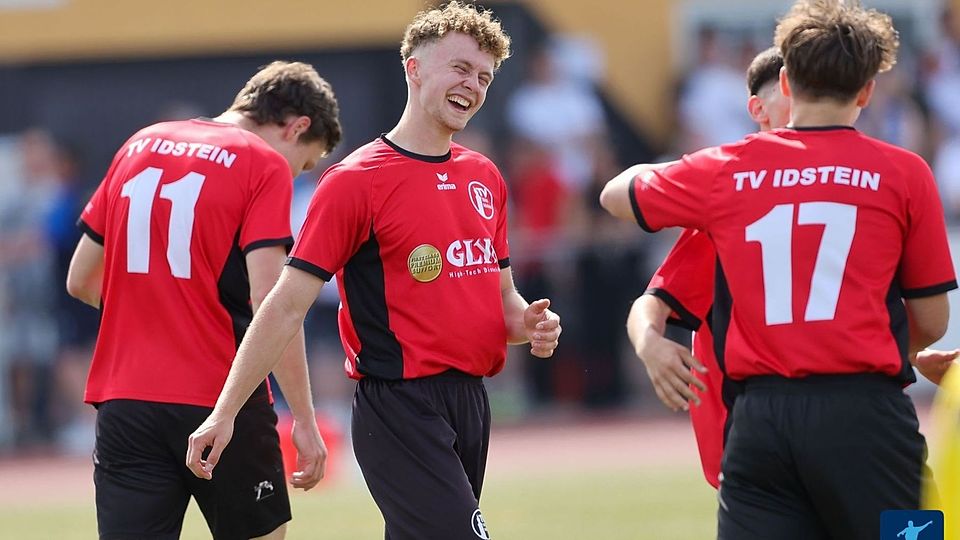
{"type": "Point", "coordinates": [683, 389]}
{"type": "Point", "coordinates": [691, 360]}
{"type": "Point", "coordinates": [669, 396]}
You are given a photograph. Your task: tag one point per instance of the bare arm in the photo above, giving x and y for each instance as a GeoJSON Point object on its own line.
{"type": "Point", "coordinates": [615, 197]}
{"type": "Point", "coordinates": [264, 266]}
{"type": "Point", "coordinates": [533, 323]}
{"type": "Point", "coordinates": [668, 364]}
{"type": "Point", "coordinates": [927, 319]}
{"type": "Point", "coordinates": [275, 324]}
{"type": "Point", "coordinates": [85, 277]}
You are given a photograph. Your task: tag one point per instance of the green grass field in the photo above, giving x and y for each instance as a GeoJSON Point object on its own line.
{"type": "Point", "coordinates": [664, 503]}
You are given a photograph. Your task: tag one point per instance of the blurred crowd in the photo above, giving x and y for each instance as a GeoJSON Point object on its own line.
{"type": "Point", "coordinates": [555, 151]}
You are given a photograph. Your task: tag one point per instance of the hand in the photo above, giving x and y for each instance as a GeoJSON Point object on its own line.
{"type": "Point", "coordinates": [542, 327]}
{"type": "Point", "coordinates": [934, 364]}
{"type": "Point", "coordinates": [668, 366]}
{"type": "Point", "coordinates": [214, 434]}
{"type": "Point", "coordinates": [311, 455]}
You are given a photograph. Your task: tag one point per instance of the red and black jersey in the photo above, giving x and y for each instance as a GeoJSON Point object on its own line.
{"type": "Point", "coordinates": [417, 244]}
{"type": "Point", "coordinates": [819, 233]}
{"type": "Point", "coordinates": [684, 281]}
{"type": "Point", "coordinates": [180, 206]}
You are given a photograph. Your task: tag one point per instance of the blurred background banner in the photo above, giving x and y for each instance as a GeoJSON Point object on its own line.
{"type": "Point", "coordinates": [592, 87]}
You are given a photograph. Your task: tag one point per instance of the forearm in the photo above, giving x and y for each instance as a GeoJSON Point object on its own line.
{"type": "Point", "coordinates": [513, 308]}
{"type": "Point", "coordinates": [271, 331]}
{"type": "Point", "coordinates": [647, 322]}
{"type": "Point", "coordinates": [294, 379]}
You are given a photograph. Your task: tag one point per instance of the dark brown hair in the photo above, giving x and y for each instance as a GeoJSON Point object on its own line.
{"type": "Point", "coordinates": [431, 25]}
{"type": "Point", "coordinates": [764, 68]}
{"type": "Point", "coordinates": [832, 49]}
{"type": "Point", "coordinates": [283, 89]}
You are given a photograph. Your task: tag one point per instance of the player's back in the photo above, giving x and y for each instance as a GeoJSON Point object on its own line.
{"type": "Point", "coordinates": [820, 233]}
{"type": "Point", "coordinates": [180, 206]}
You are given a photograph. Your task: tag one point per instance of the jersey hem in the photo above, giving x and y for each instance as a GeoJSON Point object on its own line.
{"type": "Point", "coordinates": [635, 205]}
{"type": "Point", "coordinates": [286, 241]}
{"type": "Point", "coordinates": [686, 317]}
{"type": "Point", "coordinates": [88, 230]}
{"type": "Point", "coordinates": [932, 290]}
{"type": "Point", "coordinates": [309, 268]}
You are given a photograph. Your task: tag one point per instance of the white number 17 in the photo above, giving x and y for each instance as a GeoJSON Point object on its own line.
{"type": "Point", "coordinates": [774, 232]}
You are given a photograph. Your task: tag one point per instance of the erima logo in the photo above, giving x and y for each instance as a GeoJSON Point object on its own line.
{"type": "Point", "coordinates": [264, 490]}
{"type": "Point", "coordinates": [479, 526]}
{"type": "Point", "coordinates": [442, 177]}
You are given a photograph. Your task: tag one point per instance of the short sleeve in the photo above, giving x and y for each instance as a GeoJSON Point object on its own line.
{"type": "Point", "coordinates": [500, 243]}
{"type": "Point", "coordinates": [678, 193]}
{"type": "Point", "coordinates": [926, 268]}
{"type": "Point", "coordinates": [338, 222]}
{"type": "Point", "coordinates": [93, 218]}
{"type": "Point", "coordinates": [684, 281]}
{"type": "Point", "coordinates": [266, 221]}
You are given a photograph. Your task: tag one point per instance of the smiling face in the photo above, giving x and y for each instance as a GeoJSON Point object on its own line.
{"type": "Point", "coordinates": [450, 77]}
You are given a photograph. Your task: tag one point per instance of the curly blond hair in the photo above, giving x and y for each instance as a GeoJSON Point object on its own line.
{"type": "Point", "coordinates": [833, 48]}
{"type": "Point", "coordinates": [430, 25]}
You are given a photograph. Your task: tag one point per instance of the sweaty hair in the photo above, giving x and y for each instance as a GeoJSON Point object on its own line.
{"type": "Point", "coordinates": [764, 68]}
{"type": "Point", "coordinates": [283, 89]}
{"type": "Point", "coordinates": [832, 48]}
{"type": "Point", "coordinates": [431, 25]}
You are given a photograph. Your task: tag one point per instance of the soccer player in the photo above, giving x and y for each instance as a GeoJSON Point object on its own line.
{"type": "Point", "coordinates": [415, 228]}
{"type": "Point", "coordinates": [832, 268]}
{"type": "Point", "coordinates": [681, 293]}
{"type": "Point", "coordinates": [183, 239]}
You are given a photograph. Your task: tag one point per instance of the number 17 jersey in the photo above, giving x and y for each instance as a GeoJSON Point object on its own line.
{"type": "Point", "coordinates": [178, 210]}
{"type": "Point", "coordinates": [820, 234]}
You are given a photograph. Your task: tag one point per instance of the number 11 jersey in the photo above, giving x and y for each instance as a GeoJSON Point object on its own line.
{"type": "Point", "coordinates": [178, 210]}
{"type": "Point", "coordinates": [820, 234]}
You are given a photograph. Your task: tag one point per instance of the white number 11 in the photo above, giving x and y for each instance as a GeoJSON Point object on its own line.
{"type": "Point", "coordinates": [183, 195]}
{"type": "Point", "coordinates": [774, 232]}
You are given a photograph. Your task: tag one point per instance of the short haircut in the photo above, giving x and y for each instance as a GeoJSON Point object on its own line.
{"type": "Point", "coordinates": [764, 69]}
{"type": "Point", "coordinates": [832, 48]}
{"type": "Point", "coordinates": [283, 89]}
{"type": "Point", "coordinates": [431, 25]}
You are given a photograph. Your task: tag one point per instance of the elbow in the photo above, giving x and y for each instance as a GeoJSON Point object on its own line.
{"type": "Point", "coordinates": [75, 287]}
{"type": "Point", "coordinates": [607, 198]}
{"type": "Point", "coordinates": [930, 332]}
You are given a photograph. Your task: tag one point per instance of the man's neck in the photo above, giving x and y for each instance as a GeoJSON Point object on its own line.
{"type": "Point", "coordinates": [823, 113]}
{"type": "Point", "coordinates": [420, 135]}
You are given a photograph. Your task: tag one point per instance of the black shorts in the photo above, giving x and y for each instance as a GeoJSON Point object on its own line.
{"type": "Point", "coordinates": [422, 446]}
{"type": "Point", "coordinates": [143, 485]}
{"type": "Point", "coordinates": [819, 458]}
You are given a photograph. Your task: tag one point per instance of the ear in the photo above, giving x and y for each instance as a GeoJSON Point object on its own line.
{"type": "Point", "coordinates": [756, 109]}
{"type": "Point", "coordinates": [865, 93]}
{"type": "Point", "coordinates": [295, 127]}
{"type": "Point", "coordinates": [785, 84]}
{"type": "Point", "coordinates": [412, 69]}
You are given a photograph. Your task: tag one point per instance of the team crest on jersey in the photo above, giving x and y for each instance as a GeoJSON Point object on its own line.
{"type": "Point", "coordinates": [479, 526]}
{"type": "Point", "coordinates": [425, 263]}
{"type": "Point", "coordinates": [481, 198]}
